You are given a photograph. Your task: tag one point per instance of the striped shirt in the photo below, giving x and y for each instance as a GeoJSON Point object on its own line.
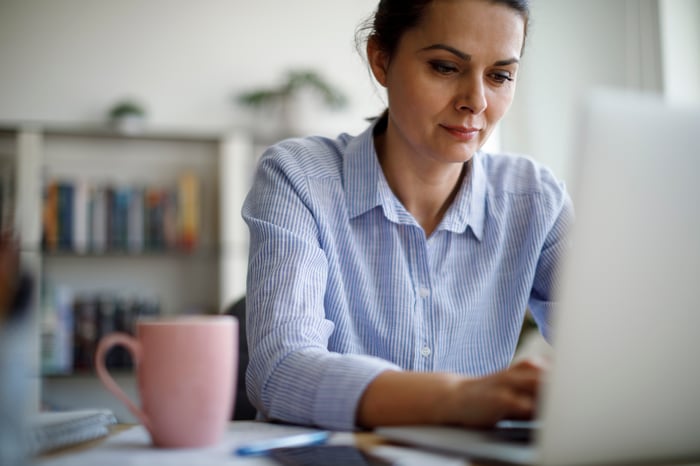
{"type": "Point", "coordinates": [343, 283]}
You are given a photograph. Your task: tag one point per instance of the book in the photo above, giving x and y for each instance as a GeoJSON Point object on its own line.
{"type": "Point", "coordinates": [80, 216]}
{"type": "Point", "coordinates": [98, 220]}
{"type": "Point", "coordinates": [50, 217]}
{"type": "Point", "coordinates": [56, 330]}
{"type": "Point", "coordinates": [66, 193]}
{"type": "Point", "coordinates": [120, 218]}
{"type": "Point", "coordinates": [7, 194]}
{"type": "Point", "coordinates": [49, 430]}
{"type": "Point", "coordinates": [188, 197]}
{"type": "Point", "coordinates": [123, 322]}
{"type": "Point", "coordinates": [136, 226]}
{"type": "Point", "coordinates": [170, 219]}
{"type": "Point", "coordinates": [155, 236]}
{"type": "Point", "coordinates": [84, 332]}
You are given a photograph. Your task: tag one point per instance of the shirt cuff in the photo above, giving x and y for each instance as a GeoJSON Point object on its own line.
{"type": "Point", "coordinates": [341, 387]}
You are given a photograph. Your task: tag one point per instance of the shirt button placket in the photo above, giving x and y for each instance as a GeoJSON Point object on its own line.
{"type": "Point", "coordinates": [425, 351]}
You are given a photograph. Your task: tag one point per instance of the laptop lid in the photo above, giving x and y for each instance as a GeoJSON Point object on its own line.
{"type": "Point", "coordinates": [625, 385]}
{"type": "Point", "coordinates": [625, 382]}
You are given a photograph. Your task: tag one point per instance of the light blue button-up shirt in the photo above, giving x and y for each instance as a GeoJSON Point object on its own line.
{"type": "Point", "coordinates": [343, 283]}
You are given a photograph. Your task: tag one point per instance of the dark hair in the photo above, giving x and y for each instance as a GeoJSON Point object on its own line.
{"type": "Point", "coordinates": [394, 17]}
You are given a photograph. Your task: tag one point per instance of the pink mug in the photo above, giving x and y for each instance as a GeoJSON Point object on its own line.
{"type": "Point", "coordinates": [186, 371]}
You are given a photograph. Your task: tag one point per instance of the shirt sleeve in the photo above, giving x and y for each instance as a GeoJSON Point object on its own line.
{"type": "Point", "coordinates": [292, 376]}
{"type": "Point", "coordinates": [560, 207]}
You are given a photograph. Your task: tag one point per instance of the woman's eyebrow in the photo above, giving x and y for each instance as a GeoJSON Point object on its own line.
{"type": "Point", "coordinates": [452, 50]}
{"type": "Point", "coordinates": [507, 62]}
{"type": "Point", "coordinates": [466, 56]}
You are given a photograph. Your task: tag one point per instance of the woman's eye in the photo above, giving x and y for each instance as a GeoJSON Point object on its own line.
{"type": "Point", "coordinates": [443, 68]}
{"type": "Point", "coordinates": [501, 78]}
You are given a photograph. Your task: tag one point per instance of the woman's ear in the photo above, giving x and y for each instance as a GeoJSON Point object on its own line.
{"type": "Point", "coordinates": [378, 61]}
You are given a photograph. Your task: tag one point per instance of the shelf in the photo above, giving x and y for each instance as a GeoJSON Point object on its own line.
{"type": "Point", "coordinates": [101, 131]}
{"type": "Point", "coordinates": [208, 253]}
{"type": "Point", "coordinates": [88, 374]}
{"type": "Point", "coordinates": [177, 281]}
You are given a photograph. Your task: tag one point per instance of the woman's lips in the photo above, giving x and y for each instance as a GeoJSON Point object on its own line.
{"type": "Point", "coordinates": [462, 133]}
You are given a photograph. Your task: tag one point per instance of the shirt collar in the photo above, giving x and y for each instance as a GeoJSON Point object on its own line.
{"type": "Point", "coordinates": [366, 188]}
{"type": "Point", "coordinates": [362, 174]}
{"type": "Point", "coordinates": [468, 207]}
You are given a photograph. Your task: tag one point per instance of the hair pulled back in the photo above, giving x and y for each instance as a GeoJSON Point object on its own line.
{"type": "Point", "coordinates": [394, 17]}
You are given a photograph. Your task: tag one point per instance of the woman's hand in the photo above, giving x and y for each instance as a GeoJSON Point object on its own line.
{"type": "Point", "coordinates": [509, 394]}
{"type": "Point", "coordinates": [395, 398]}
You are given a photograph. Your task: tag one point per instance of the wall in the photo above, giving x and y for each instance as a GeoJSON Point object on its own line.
{"type": "Point", "coordinates": [69, 60]}
{"type": "Point", "coordinates": [573, 47]}
{"type": "Point", "coordinates": [680, 23]}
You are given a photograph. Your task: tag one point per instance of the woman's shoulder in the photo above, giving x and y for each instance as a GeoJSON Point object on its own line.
{"type": "Point", "coordinates": [508, 173]}
{"type": "Point", "coordinates": [311, 155]}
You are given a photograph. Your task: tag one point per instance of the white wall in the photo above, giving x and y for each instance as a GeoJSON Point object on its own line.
{"type": "Point", "coordinates": [70, 60]}
{"type": "Point", "coordinates": [573, 47]}
{"type": "Point", "coordinates": [680, 25]}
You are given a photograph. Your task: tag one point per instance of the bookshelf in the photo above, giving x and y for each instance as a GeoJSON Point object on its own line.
{"type": "Point", "coordinates": [7, 178]}
{"type": "Point", "coordinates": [193, 261]}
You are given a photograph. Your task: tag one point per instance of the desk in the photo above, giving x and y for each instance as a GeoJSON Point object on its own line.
{"type": "Point", "coordinates": [129, 445]}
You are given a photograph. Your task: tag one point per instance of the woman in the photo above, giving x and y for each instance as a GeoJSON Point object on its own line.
{"type": "Point", "coordinates": [390, 272]}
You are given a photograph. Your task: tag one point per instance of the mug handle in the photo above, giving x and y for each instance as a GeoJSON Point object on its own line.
{"type": "Point", "coordinates": [134, 347]}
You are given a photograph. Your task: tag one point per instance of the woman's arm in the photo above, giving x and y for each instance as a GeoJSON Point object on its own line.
{"type": "Point", "coordinates": [394, 398]}
{"type": "Point", "coordinates": [292, 375]}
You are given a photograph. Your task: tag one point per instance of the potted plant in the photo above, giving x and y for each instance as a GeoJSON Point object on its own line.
{"type": "Point", "coordinates": [283, 101]}
{"type": "Point", "coordinates": [127, 116]}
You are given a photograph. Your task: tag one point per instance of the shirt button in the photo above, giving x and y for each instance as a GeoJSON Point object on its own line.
{"type": "Point", "coordinates": [423, 292]}
{"type": "Point", "coordinates": [425, 351]}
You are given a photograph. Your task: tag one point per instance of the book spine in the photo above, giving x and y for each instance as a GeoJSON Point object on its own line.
{"type": "Point", "coordinates": [98, 238]}
{"type": "Point", "coordinates": [85, 333]}
{"type": "Point", "coordinates": [110, 230]}
{"type": "Point", "coordinates": [154, 214]}
{"type": "Point", "coordinates": [170, 219]}
{"type": "Point", "coordinates": [50, 217]}
{"type": "Point", "coordinates": [105, 323]}
{"type": "Point", "coordinates": [123, 322]}
{"type": "Point", "coordinates": [189, 210]}
{"type": "Point", "coordinates": [120, 218]}
{"type": "Point", "coordinates": [65, 216]}
{"type": "Point", "coordinates": [80, 218]}
{"type": "Point", "coordinates": [7, 197]}
{"type": "Point", "coordinates": [135, 235]}
{"type": "Point", "coordinates": [57, 331]}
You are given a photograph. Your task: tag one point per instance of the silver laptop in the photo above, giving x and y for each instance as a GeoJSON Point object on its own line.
{"type": "Point", "coordinates": [625, 383]}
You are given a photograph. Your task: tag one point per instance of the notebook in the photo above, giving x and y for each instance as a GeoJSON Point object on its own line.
{"type": "Point", "coordinates": [50, 430]}
{"type": "Point", "coordinates": [625, 383]}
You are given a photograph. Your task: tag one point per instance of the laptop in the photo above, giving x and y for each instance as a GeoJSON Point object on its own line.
{"type": "Point", "coordinates": [624, 386]}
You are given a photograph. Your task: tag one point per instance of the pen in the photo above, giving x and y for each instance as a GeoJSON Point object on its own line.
{"type": "Point", "coordinates": [300, 440]}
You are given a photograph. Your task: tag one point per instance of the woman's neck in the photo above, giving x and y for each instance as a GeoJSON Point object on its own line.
{"type": "Point", "coordinates": [425, 187]}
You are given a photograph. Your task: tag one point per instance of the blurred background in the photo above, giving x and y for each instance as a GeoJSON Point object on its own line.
{"type": "Point", "coordinates": [129, 131]}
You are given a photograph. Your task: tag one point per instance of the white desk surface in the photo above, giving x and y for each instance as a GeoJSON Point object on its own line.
{"type": "Point", "coordinates": [132, 447]}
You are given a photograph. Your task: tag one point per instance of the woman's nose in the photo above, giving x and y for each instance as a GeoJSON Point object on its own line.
{"type": "Point", "coordinates": [471, 97]}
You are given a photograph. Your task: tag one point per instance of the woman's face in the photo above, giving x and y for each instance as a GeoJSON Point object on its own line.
{"type": "Point", "coordinates": [451, 78]}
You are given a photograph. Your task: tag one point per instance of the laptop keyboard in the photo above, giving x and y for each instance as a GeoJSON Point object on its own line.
{"type": "Point", "coordinates": [514, 431]}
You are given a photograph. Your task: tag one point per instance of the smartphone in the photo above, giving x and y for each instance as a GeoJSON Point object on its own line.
{"type": "Point", "coordinates": [323, 455]}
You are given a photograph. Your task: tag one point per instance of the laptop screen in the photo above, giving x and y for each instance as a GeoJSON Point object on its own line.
{"type": "Point", "coordinates": [626, 380]}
